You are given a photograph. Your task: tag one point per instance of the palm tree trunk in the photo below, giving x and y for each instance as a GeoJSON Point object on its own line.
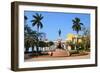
{"type": "Point", "coordinates": [32, 49]}
{"type": "Point", "coordinates": [77, 43]}
{"type": "Point", "coordinates": [37, 41]}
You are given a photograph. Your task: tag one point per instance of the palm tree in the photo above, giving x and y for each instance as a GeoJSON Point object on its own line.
{"type": "Point", "coordinates": [77, 26]}
{"type": "Point", "coordinates": [37, 22]}
{"type": "Point", "coordinates": [30, 40]}
{"type": "Point", "coordinates": [33, 36]}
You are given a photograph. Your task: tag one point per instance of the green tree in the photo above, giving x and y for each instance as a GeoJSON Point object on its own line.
{"type": "Point", "coordinates": [34, 38]}
{"type": "Point", "coordinates": [27, 44]}
{"type": "Point", "coordinates": [77, 26]}
{"type": "Point", "coordinates": [30, 40]}
{"type": "Point", "coordinates": [26, 39]}
{"type": "Point", "coordinates": [42, 44]}
{"type": "Point", "coordinates": [37, 22]}
{"type": "Point", "coordinates": [50, 43]}
{"type": "Point", "coordinates": [86, 38]}
{"type": "Point", "coordinates": [30, 36]}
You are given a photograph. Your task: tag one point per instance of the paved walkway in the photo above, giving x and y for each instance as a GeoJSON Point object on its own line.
{"type": "Point", "coordinates": [60, 53]}
{"type": "Point", "coordinates": [48, 58]}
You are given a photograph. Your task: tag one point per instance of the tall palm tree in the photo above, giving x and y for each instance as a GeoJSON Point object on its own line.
{"type": "Point", "coordinates": [77, 26]}
{"type": "Point", "coordinates": [33, 36]}
{"type": "Point", "coordinates": [37, 22]}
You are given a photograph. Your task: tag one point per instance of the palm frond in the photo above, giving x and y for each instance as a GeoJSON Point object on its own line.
{"type": "Point", "coordinates": [73, 21]}
{"type": "Point", "coordinates": [81, 24]}
{"type": "Point", "coordinates": [34, 16]}
{"type": "Point", "coordinates": [41, 25]}
{"type": "Point", "coordinates": [37, 15]}
{"type": "Point", "coordinates": [34, 23]}
{"type": "Point", "coordinates": [41, 17]}
{"type": "Point", "coordinates": [32, 20]}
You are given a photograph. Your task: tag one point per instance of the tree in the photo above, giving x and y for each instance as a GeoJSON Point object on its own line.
{"type": "Point", "coordinates": [30, 36]}
{"type": "Point", "coordinates": [70, 43]}
{"type": "Point", "coordinates": [42, 44]}
{"type": "Point", "coordinates": [27, 31]}
{"type": "Point", "coordinates": [77, 26]}
{"type": "Point", "coordinates": [26, 39]}
{"type": "Point", "coordinates": [30, 40]}
{"type": "Point", "coordinates": [33, 36]}
{"type": "Point", "coordinates": [27, 44]}
{"type": "Point", "coordinates": [50, 43]}
{"type": "Point", "coordinates": [37, 22]}
{"type": "Point", "coordinates": [86, 38]}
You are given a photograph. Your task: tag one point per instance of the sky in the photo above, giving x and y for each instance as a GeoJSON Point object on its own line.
{"type": "Point", "coordinates": [53, 21]}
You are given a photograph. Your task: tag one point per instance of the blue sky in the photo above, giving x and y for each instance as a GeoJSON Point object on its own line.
{"type": "Point", "coordinates": [53, 21]}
